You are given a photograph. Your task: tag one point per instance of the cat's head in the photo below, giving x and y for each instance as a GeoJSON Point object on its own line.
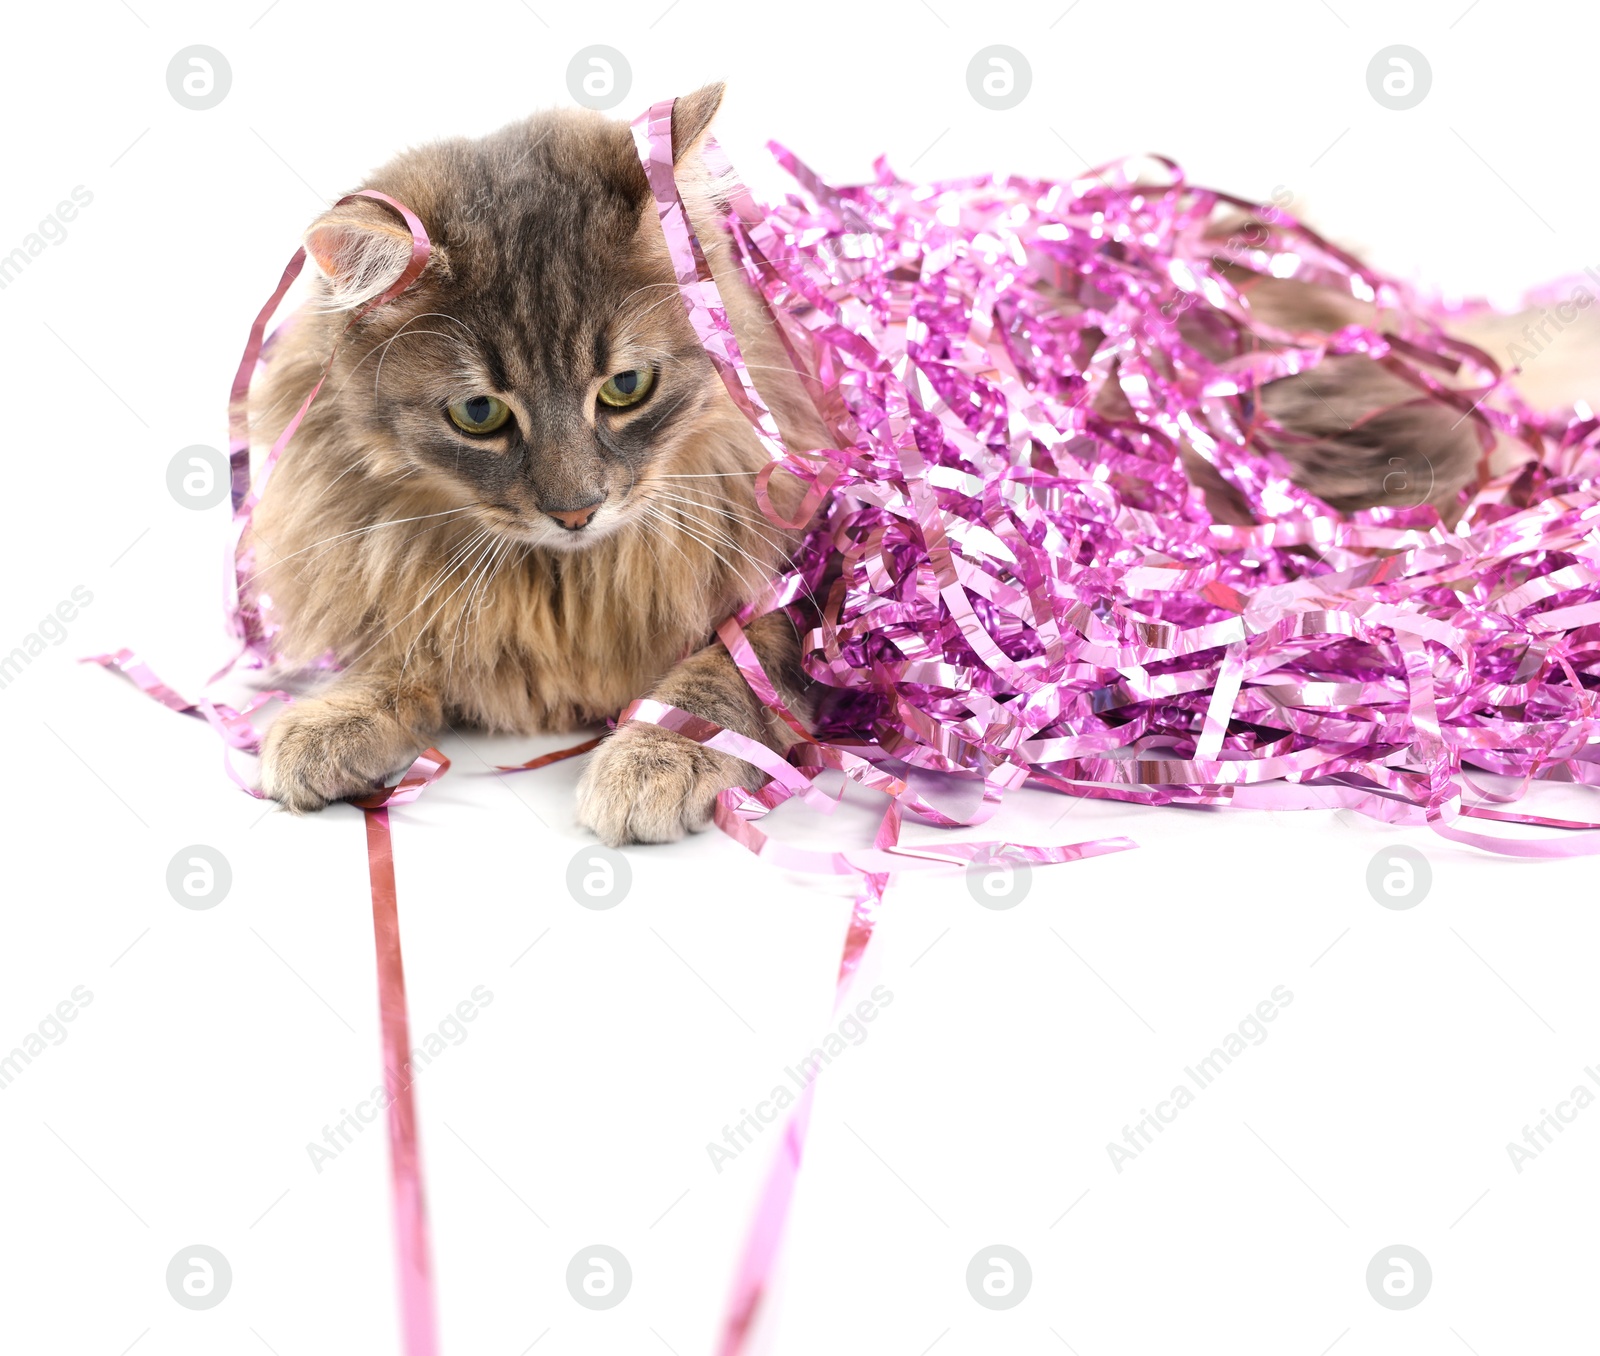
{"type": "Point", "coordinates": [542, 369]}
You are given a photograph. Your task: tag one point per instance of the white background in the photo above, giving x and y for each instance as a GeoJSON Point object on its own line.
{"type": "Point", "coordinates": [577, 1111]}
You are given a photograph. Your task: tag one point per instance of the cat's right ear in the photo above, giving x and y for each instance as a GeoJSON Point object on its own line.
{"type": "Point", "coordinates": [361, 248]}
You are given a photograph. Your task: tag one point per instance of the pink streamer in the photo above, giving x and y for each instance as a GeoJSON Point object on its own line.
{"type": "Point", "coordinates": [759, 1257]}
{"type": "Point", "coordinates": [414, 1269]}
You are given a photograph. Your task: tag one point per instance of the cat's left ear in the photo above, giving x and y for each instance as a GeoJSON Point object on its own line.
{"type": "Point", "coordinates": [692, 115]}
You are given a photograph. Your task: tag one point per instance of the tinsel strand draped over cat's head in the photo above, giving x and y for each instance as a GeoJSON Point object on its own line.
{"type": "Point", "coordinates": [1029, 591]}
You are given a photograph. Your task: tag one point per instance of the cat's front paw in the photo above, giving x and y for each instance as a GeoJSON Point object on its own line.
{"type": "Point", "coordinates": [649, 785]}
{"type": "Point", "coordinates": [319, 751]}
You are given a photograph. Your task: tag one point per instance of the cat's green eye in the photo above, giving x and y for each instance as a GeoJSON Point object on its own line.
{"type": "Point", "coordinates": [627, 388]}
{"type": "Point", "coordinates": [480, 414]}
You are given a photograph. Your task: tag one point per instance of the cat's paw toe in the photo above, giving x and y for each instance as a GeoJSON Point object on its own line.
{"type": "Point", "coordinates": [317, 752]}
{"type": "Point", "coordinates": [649, 785]}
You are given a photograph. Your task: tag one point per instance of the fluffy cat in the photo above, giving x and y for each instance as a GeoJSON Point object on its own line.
{"type": "Point", "coordinates": [524, 497]}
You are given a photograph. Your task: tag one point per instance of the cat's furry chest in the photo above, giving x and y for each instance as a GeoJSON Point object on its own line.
{"type": "Point", "coordinates": [555, 650]}
{"type": "Point", "coordinates": [511, 638]}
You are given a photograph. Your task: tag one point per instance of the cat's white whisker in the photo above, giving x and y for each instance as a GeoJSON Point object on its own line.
{"type": "Point", "coordinates": [726, 509]}
{"type": "Point", "coordinates": [404, 332]}
{"type": "Point", "coordinates": [485, 551]}
{"type": "Point", "coordinates": [354, 532]}
{"type": "Point", "coordinates": [710, 544]}
{"type": "Point", "coordinates": [672, 528]}
{"type": "Point", "coordinates": [458, 554]}
{"type": "Point", "coordinates": [382, 348]}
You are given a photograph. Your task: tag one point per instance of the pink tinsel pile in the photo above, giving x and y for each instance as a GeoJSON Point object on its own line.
{"type": "Point", "coordinates": [1033, 590]}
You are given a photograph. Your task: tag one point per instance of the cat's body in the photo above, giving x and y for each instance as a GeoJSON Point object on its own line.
{"type": "Point", "coordinates": [430, 563]}
{"type": "Point", "coordinates": [542, 573]}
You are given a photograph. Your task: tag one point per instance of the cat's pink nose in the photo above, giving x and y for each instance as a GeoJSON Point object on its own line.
{"type": "Point", "coordinates": [575, 519]}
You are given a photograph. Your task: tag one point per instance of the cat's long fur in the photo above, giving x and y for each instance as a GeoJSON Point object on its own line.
{"type": "Point", "coordinates": [427, 564]}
